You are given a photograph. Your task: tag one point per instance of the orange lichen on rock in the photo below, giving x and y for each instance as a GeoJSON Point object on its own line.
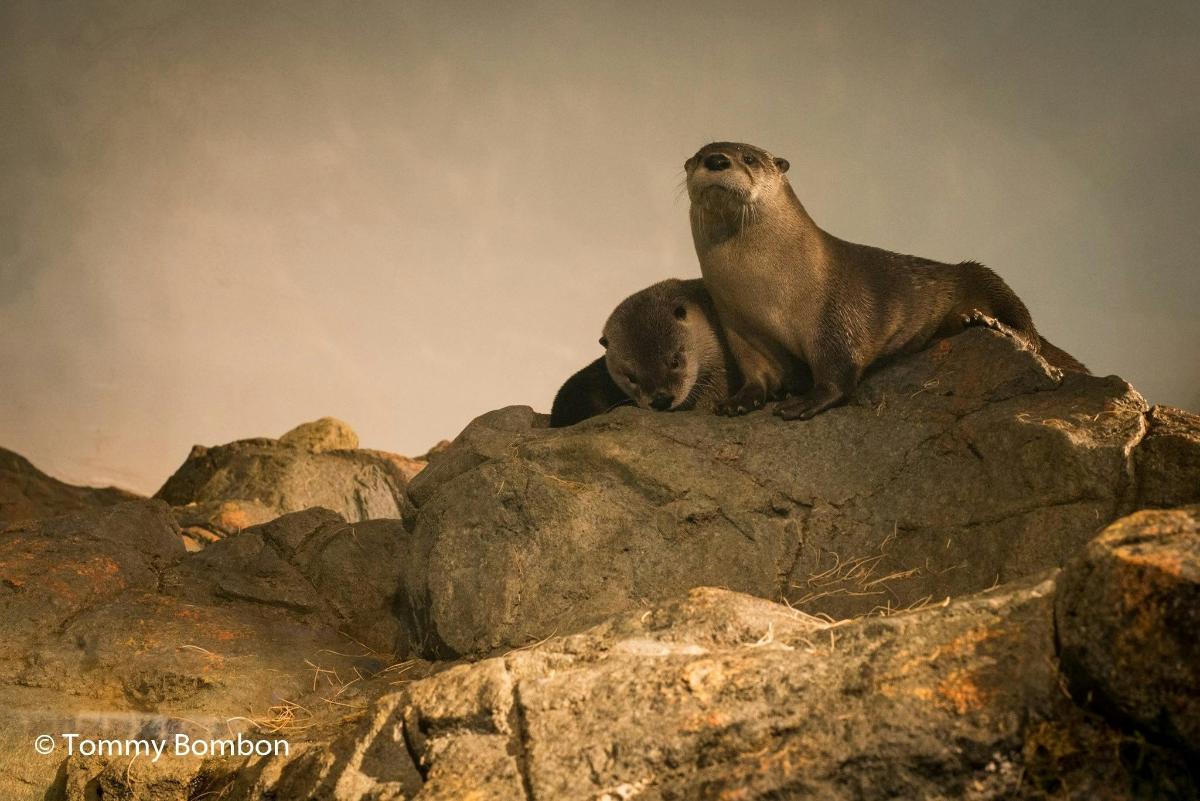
{"type": "Point", "coordinates": [961, 692]}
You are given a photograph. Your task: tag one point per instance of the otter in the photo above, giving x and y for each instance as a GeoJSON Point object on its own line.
{"type": "Point", "coordinates": [664, 350]}
{"type": "Point", "coordinates": [787, 291]}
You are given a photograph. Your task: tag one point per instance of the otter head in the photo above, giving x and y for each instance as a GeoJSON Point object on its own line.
{"type": "Point", "coordinates": [729, 176]}
{"type": "Point", "coordinates": [648, 346]}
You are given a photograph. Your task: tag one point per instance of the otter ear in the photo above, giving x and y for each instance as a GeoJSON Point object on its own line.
{"type": "Point", "coordinates": [604, 342]}
{"type": "Point", "coordinates": [782, 164]}
{"type": "Point", "coordinates": [681, 312]}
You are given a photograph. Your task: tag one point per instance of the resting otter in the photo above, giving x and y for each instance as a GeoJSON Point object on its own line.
{"type": "Point", "coordinates": [664, 351]}
{"type": "Point", "coordinates": [786, 291]}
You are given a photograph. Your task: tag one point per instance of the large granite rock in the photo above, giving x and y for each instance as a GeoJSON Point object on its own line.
{"type": "Point", "coordinates": [27, 493]}
{"type": "Point", "coordinates": [1129, 623]}
{"type": "Point", "coordinates": [113, 630]}
{"type": "Point", "coordinates": [721, 695]}
{"type": "Point", "coordinates": [967, 465]}
{"type": "Point", "coordinates": [314, 464]}
{"type": "Point", "coordinates": [1167, 461]}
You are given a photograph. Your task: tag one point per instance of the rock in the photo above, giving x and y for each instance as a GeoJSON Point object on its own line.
{"type": "Point", "coordinates": [966, 465]}
{"type": "Point", "coordinates": [27, 493]}
{"type": "Point", "coordinates": [169, 779]}
{"type": "Point", "coordinates": [720, 695]}
{"type": "Point", "coordinates": [566, 564]}
{"type": "Point", "coordinates": [267, 477]}
{"type": "Point", "coordinates": [1168, 459]}
{"type": "Point", "coordinates": [309, 562]}
{"type": "Point", "coordinates": [326, 434]}
{"type": "Point", "coordinates": [111, 629]}
{"type": "Point", "coordinates": [1128, 614]}
{"type": "Point", "coordinates": [713, 694]}
{"type": "Point", "coordinates": [212, 520]}
{"type": "Point", "coordinates": [438, 448]}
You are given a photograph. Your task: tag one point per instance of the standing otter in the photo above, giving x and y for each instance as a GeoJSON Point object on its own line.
{"type": "Point", "coordinates": [785, 290]}
{"type": "Point", "coordinates": [664, 351]}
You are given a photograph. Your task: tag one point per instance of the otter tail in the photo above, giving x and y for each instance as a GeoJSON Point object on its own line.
{"type": "Point", "coordinates": [990, 295]}
{"type": "Point", "coordinates": [1057, 357]}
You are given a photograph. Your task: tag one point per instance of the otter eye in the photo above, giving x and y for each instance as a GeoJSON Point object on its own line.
{"type": "Point", "coordinates": [680, 312]}
{"type": "Point", "coordinates": [629, 377]}
{"type": "Point", "coordinates": [749, 159]}
{"type": "Point", "coordinates": [676, 362]}
{"type": "Point", "coordinates": [604, 342]}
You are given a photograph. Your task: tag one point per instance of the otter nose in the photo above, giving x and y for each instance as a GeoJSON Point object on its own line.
{"type": "Point", "coordinates": [716, 162]}
{"type": "Point", "coordinates": [661, 402]}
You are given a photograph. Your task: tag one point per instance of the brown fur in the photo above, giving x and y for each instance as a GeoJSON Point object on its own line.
{"type": "Point", "coordinates": [787, 291]}
{"type": "Point", "coordinates": [665, 348]}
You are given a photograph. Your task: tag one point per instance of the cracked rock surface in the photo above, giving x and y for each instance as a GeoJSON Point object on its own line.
{"type": "Point", "coordinates": [721, 695]}
{"type": "Point", "coordinates": [966, 465]}
{"type": "Point", "coordinates": [601, 603]}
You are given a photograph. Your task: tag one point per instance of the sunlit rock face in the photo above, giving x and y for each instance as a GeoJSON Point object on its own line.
{"type": "Point", "coordinates": [871, 604]}
{"type": "Point", "coordinates": [966, 465]}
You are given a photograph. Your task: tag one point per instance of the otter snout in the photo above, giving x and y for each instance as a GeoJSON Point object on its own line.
{"type": "Point", "coordinates": [715, 162]}
{"type": "Point", "coordinates": [662, 401]}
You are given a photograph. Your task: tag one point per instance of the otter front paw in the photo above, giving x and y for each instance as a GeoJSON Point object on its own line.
{"type": "Point", "coordinates": [746, 399]}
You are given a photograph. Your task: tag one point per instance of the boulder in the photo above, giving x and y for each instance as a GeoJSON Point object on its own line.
{"type": "Point", "coordinates": [326, 434]}
{"type": "Point", "coordinates": [27, 493]}
{"type": "Point", "coordinates": [616, 586]}
{"type": "Point", "coordinates": [969, 464]}
{"type": "Point", "coordinates": [722, 695]}
{"type": "Point", "coordinates": [207, 522]}
{"type": "Point", "coordinates": [315, 464]}
{"type": "Point", "coordinates": [112, 629]}
{"type": "Point", "coordinates": [1167, 461]}
{"type": "Point", "coordinates": [284, 632]}
{"type": "Point", "coordinates": [1128, 616]}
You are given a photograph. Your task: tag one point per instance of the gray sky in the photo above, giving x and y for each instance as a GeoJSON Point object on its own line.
{"type": "Point", "coordinates": [220, 219]}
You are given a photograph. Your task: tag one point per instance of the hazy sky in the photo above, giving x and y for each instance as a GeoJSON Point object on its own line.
{"type": "Point", "coordinates": [220, 219]}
